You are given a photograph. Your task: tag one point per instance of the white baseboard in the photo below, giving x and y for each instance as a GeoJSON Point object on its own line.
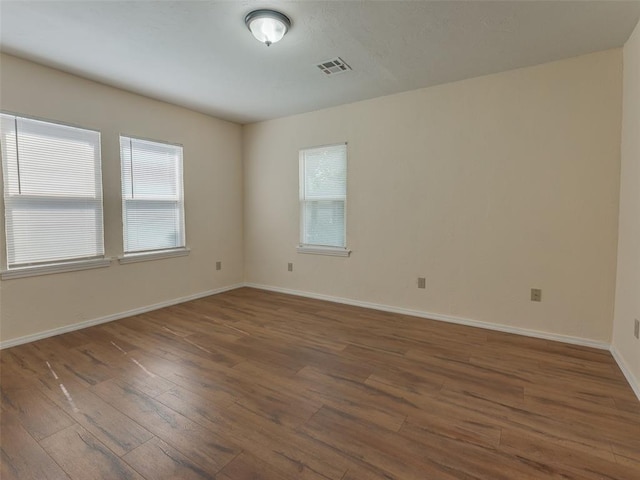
{"type": "Point", "coordinates": [109, 318]}
{"type": "Point", "coordinates": [438, 316]}
{"type": "Point", "coordinates": [633, 381]}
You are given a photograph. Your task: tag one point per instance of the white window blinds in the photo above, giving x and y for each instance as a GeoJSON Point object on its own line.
{"type": "Point", "coordinates": [52, 192]}
{"type": "Point", "coordinates": [323, 196]}
{"type": "Point", "coordinates": [152, 196]}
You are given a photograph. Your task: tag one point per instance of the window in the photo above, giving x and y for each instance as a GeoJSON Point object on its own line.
{"type": "Point", "coordinates": [152, 197]}
{"type": "Point", "coordinates": [52, 193]}
{"type": "Point", "coordinates": [323, 197]}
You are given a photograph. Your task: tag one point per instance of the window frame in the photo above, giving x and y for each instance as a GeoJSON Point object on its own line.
{"type": "Point", "coordinates": [318, 249]}
{"type": "Point", "coordinates": [45, 267]}
{"type": "Point", "coordinates": [159, 253]}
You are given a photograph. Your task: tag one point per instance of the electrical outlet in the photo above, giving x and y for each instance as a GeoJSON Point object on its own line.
{"type": "Point", "coordinates": [536, 295]}
{"type": "Point", "coordinates": [422, 282]}
{"type": "Point", "coordinates": [636, 328]}
{"type": "Point", "coordinates": [218, 265]}
{"type": "Point", "coordinates": [290, 267]}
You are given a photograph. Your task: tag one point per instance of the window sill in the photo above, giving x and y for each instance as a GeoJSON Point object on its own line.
{"type": "Point", "coordinates": [331, 251]}
{"type": "Point", "coordinates": [159, 255]}
{"type": "Point", "coordinates": [50, 268]}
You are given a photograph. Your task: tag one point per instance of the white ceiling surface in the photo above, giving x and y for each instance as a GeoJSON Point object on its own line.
{"type": "Point", "coordinates": [199, 54]}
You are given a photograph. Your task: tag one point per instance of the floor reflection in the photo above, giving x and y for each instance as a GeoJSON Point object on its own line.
{"type": "Point", "coordinates": [136, 362]}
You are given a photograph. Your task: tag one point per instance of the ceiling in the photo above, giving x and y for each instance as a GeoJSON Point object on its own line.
{"type": "Point", "coordinates": [199, 54]}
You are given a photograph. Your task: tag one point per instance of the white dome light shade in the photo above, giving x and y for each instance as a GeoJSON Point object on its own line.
{"type": "Point", "coordinates": [268, 26]}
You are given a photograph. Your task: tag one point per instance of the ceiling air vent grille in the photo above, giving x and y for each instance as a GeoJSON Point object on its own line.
{"type": "Point", "coordinates": [334, 66]}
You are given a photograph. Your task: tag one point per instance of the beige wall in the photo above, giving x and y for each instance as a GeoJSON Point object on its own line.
{"type": "Point", "coordinates": [213, 202]}
{"type": "Point", "coordinates": [487, 187]}
{"type": "Point", "coordinates": [627, 306]}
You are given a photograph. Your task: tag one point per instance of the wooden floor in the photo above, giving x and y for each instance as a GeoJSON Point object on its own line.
{"type": "Point", "coordinates": [257, 385]}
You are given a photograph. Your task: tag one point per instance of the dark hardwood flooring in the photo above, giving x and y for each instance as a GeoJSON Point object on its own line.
{"type": "Point", "coordinates": [256, 385]}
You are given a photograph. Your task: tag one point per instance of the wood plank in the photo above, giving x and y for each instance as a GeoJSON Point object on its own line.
{"type": "Point", "coordinates": [116, 430]}
{"type": "Point", "coordinates": [204, 447]}
{"type": "Point", "coordinates": [83, 457]}
{"type": "Point", "coordinates": [287, 450]}
{"type": "Point", "coordinates": [381, 450]}
{"type": "Point", "coordinates": [359, 472]}
{"type": "Point", "coordinates": [68, 363]}
{"type": "Point", "coordinates": [130, 366]}
{"type": "Point", "coordinates": [571, 457]}
{"type": "Point", "coordinates": [38, 415]}
{"type": "Point", "coordinates": [502, 415]}
{"type": "Point", "coordinates": [245, 466]}
{"type": "Point", "coordinates": [465, 455]}
{"type": "Point", "coordinates": [253, 384]}
{"type": "Point", "coordinates": [269, 441]}
{"type": "Point", "coordinates": [160, 461]}
{"type": "Point", "coordinates": [22, 457]}
{"type": "Point", "coordinates": [374, 406]}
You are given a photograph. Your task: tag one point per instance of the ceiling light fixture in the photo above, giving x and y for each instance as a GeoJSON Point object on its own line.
{"type": "Point", "coordinates": [268, 26]}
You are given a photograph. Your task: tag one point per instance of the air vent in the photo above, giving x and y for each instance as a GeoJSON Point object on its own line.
{"type": "Point", "coordinates": [334, 66]}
